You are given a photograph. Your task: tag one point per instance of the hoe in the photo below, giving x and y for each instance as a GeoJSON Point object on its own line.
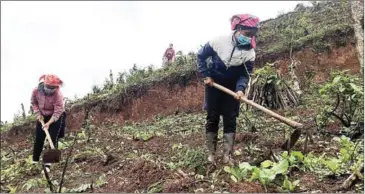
{"type": "Point", "coordinates": [51, 155]}
{"type": "Point", "coordinates": [289, 143]}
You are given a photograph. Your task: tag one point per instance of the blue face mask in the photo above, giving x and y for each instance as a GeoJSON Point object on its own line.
{"type": "Point", "coordinates": [243, 40]}
{"type": "Point", "coordinates": [49, 91]}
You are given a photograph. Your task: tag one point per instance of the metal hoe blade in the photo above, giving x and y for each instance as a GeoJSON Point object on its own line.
{"type": "Point", "coordinates": [52, 156]}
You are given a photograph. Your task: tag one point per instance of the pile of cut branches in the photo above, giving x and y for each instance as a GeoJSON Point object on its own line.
{"type": "Point", "coordinates": [268, 89]}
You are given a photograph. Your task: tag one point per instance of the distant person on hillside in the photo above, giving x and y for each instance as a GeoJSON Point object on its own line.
{"type": "Point", "coordinates": [47, 104]}
{"type": "Point", "coordinates": [231, 60]}
{"type": "Point", "coordinates": [169, 56]}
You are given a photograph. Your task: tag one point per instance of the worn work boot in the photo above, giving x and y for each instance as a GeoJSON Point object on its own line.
{"type": "Point", "coordinates": [228, 147]}
{"type": "Point", "coordinates": [211, 141]}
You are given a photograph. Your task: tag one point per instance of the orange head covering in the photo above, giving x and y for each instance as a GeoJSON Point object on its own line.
{"type": "Point", "coordinates": [51, 80]}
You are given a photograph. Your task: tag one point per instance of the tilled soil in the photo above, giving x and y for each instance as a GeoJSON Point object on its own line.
{"type": "Point", "coordinates": [120, 159]}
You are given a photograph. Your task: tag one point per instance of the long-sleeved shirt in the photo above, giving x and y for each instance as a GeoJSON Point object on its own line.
{"type": "Point", "coordinates": [47, 105]}
{"type": "Point", "coordinates": [220, 58]}
{"type": "Point", "coordinates": [169, 53]}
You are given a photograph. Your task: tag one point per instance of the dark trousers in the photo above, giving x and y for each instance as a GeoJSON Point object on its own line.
{"type": "Point", "coordinates": [56, 131]}
{"type": "Point", "coordinates": [219, 103]}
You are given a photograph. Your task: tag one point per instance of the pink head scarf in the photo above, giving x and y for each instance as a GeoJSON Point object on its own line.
{"type": "Point", "coordinates": [246, 20]}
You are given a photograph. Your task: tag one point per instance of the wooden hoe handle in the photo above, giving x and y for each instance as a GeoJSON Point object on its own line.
{"type": "Point", "coordinates": [47, 135]}
{"type": "Point", "coordinates": [267, 111]}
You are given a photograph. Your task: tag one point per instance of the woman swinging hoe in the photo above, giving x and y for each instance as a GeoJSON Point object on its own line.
{"type": "Point", "coordinates": [47, 103]}
{"type": "Point", "coordinates": [231, 61]}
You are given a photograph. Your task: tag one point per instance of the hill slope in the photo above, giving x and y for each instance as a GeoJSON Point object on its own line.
{"type": "Point", "coordinates": [147, 135]}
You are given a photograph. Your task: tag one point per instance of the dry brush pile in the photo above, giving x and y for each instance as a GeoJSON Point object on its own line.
{"type": "Point", "coordinates": [269, 89]}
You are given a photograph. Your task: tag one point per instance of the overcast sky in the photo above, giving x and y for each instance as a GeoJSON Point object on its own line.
{"type": "Point", "coordinates": [81, 41]}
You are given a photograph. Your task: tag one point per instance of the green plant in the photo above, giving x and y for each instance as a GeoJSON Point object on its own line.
{"type": "Point", "coordinates": [358, 166]}
{"type": "Point", "coordinates": [185, 157]}
{"type": "Point", "coordinates": [12, 189]}
{"type": "Point", "coordinates": [80, 189]}
{"type": "Point", "coordinates": [10, 172]}
{"type": "Point", "coordinates": [265, 174]}
{"type": "Point", "coordinates": [121, 78]}
{"type": "Point", "coordinates": [268, 73]}
{"type": "Point", "coordinates": [5, 127]}
{"type": "Point", "coordinates": [348, 92]}
{"type": "Point", "coordinates": [295, 158]}
{"type": "Point", "coordinates": [349, 154]}
{"type": "Point", "coordinates": [290, 186]}
{"type": "Point", "coordinates": [63, 190]}
{"type": "Point", "coordinates": [238, 173]}
{"type": "Point", "coordinates": [348, 149]}
{"type": "Point", "coordinates": [101, 181]}
{"type": "Point", "coordinates": [107, 85]}
{"type": "Point", "coordinates": [312, 163]}
{"type": "Point", "coordinates": [81, 135]}
{"type": "Point", "coordinates": [34, 183]}
{"type": "Point", "coordinates": [155, 188]}
{"type": "Point", "coordinates": [96, 89]}
{"type": "Point", "coordinates": [144, 135]}
{"type": "Point", "coordinates": [333, 164]}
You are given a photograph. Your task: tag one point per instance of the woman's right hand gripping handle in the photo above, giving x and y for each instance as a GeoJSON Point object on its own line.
{"type": "Point", "coordinates": [208, 81]}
